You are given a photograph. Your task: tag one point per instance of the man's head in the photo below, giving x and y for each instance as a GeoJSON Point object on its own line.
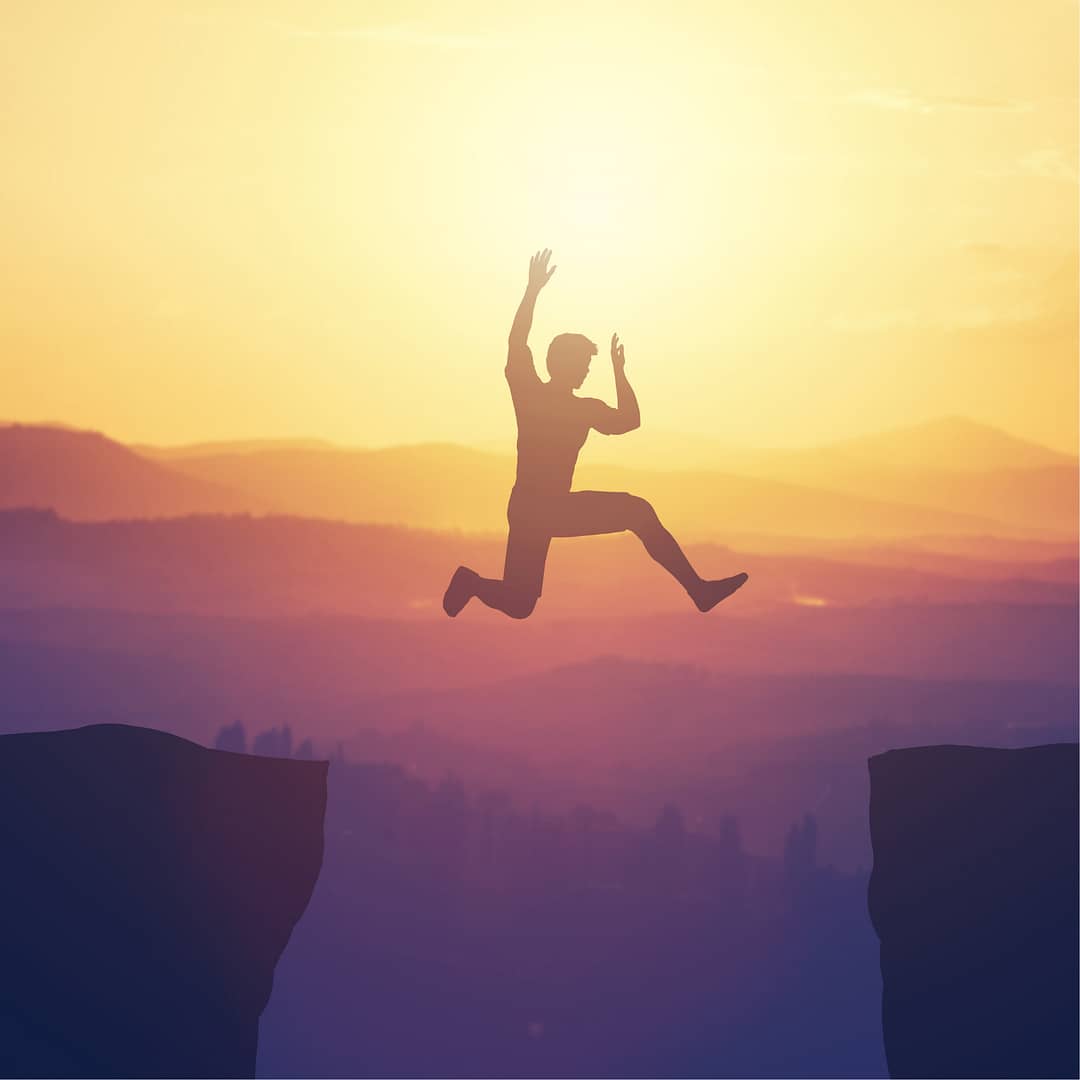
{"type": "Point", "coordinates": [568, 359]}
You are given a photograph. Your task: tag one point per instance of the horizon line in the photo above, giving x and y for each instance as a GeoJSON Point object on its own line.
{"type": "Point", "coordinates": [506, 445]}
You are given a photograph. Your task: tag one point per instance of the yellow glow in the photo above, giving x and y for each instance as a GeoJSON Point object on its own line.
{"type": "Point", "coordinates": [810, 601]}
{"type": "Point", "coordinates": [284, 219]}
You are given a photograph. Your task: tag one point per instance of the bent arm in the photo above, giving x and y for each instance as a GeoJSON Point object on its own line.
{"type": "Point", "coordinates": [626, 416]}
{"type": "Point", "coordinates": [627, 408]}
{"type": "Point", "coordinates": [609, 421]}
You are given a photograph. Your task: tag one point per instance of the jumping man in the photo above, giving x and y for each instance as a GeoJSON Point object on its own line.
{"type": "Point", "coordinates": [553, 423]}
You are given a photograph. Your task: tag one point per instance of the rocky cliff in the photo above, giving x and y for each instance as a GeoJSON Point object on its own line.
{"type": "Point", "coordinates": [149, 887]}
{"type": "Point", "coordinates": [974, 898]}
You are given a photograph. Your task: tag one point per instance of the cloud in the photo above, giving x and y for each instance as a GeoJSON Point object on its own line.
{"type": "Point", "coordinates": [906, 101]}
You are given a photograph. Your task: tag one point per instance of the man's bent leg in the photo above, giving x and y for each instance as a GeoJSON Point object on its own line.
{"type": "Point", "coordinates": [661, 545]}
{"type": "Point", "coordinates": [522, 582]}
{"type": "Point", "coordinates": [460, 590]}
{"type": "Point", "coordinates": [516, 593]}
{"type": "Point", "coordinates": [589, 513]}
{"type": "Point", "coordinates": [712, 592]}
{"type": "Point", "coordinates": [586, 513]}
{"type": "Point", "coordinates": [505, 596]}
{"type": "Point", "coordinates": [664, 548]}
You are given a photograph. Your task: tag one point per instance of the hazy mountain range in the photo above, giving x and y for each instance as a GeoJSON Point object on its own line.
{"type": "Point", "coordinates": [916, 586]}
{"type": "Point", "coordinates": [270, 565]}
{"type": "Point", "coordinates": [951, 478]}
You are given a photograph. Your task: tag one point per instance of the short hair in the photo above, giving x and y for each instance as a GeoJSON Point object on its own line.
{"type": "Point", "coordinates": [566, 348]}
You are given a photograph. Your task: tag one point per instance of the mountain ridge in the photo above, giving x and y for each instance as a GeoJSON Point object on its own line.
{"type": "Point", "coordinates": [1025, 451]}
{"type": "Point", "coordinates": [87, 475]}
{"type": "Point", "coordinates": [450, 486]}
{"type": "Point", "coordinates": [270, 565]}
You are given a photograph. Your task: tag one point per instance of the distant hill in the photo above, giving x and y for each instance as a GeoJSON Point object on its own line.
{"type": "Point", "coordinates": [953, 443]}
{"type": "Point", "coordinates": [1041, 497]}
{"type": "Point", "coordinates": [231, 446]}
{"type": "Point", "coordinates": [431, 486]}
{"type": "Point", "coordinates": [40, 424]}
{"type": "Point", "coordinates": [85, 475]}
{"type": "Point", "coordinates": [950, 464]}
{"type": "Point", "coordinates": [332, 672]}
{"type": "Point", "coordinates": [440, 486]}
{"type": "Point", "coordinates": [951, 477]}
{"type": "Point", "coordinates": [270, 565]}
{"type": "Point", "coordinates": [709, 503]}
{"type": "Point", "coordinates": [573, 709]}
{"type": "Point", "coordinates": [851, 491]}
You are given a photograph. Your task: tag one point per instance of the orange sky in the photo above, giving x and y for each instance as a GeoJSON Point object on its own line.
{"type": "Point", "coordinates": [314, 218]}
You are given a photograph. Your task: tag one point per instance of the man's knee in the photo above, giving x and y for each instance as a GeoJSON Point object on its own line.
{"type": "Point", "coordinates": [520, 604]}
{"type": "Point", "coordinates": [641, 517]}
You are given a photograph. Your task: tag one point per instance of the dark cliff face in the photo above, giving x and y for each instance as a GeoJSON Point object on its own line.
{"type": "Point", "coordinates": [149, 887]}
{"type": "Point", "coordinates": [974, 897]}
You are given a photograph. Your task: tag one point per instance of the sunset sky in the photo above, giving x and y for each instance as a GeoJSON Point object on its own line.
{"type": "Point", "coordinates": [285, 218]}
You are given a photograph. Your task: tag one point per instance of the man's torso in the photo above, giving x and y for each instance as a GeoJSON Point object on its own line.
{"type": "Point", "coordinates": [552, 428]}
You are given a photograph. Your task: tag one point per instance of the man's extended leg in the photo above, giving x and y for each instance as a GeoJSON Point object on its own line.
{"type": "Point", "coordinates": [587, 513]}
{"type": "Point", "coordinates": [516, 593]}
{"type": "Point", "coordinates": [460, 590]}
{"type": "Point", "coordinates": [505, 596]}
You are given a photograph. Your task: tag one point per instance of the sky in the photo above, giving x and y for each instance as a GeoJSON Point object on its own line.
{"type": "Point", "coordinates": [282, 218]}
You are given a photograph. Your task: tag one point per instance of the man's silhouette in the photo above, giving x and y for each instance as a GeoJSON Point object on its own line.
{"type": "Point", "coordinates": [552, 426]}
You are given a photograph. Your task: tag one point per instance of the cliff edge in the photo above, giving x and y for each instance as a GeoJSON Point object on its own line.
{"type": "Point", "coordinates": [149, 887]}
{"type": "Point", "coordinates": [974, 898]}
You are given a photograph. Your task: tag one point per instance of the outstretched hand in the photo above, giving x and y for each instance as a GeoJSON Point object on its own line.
{"type": "Point", "coordinates": [618, 358]}
{"type": "Point", "coordinates": [539, 274]}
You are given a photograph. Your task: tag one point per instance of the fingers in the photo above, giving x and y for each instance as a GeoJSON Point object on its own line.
{"type": "Point", "coordinates": [539, 261]}
{"type": "Point", "coordinates": [617, 355]}
{"type": "Point", "coordinates": [539, 273]}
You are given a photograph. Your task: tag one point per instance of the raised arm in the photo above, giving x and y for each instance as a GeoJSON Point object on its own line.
{"type": "Point", "coordinates": [519, 357]}
{"type": "Point", "coordinates": [626, 416]}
